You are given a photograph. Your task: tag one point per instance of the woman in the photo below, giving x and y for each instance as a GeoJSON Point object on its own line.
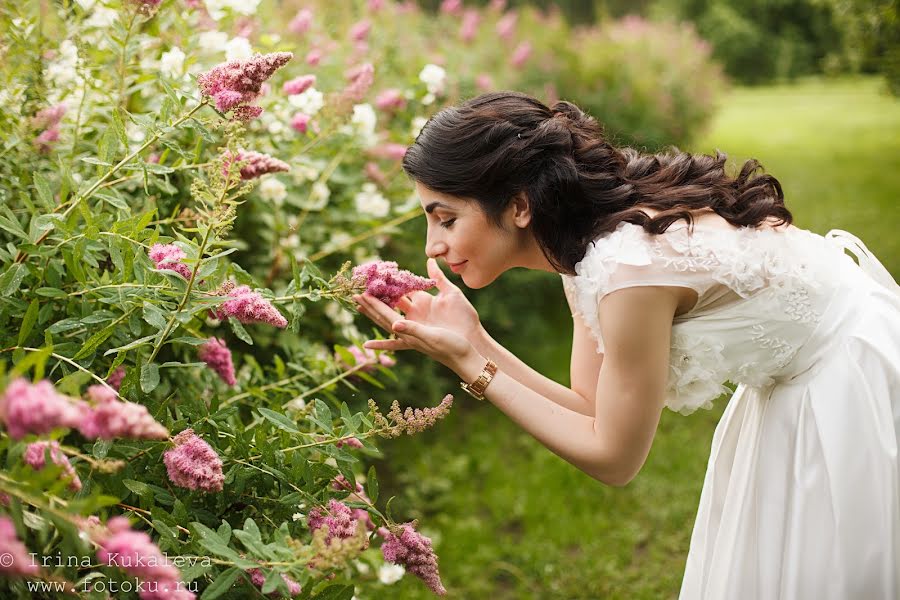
{"type": "Point", "coordinates": [679, 277]}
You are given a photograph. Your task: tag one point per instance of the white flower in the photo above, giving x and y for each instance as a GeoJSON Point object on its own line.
{"type": "Point", "coordinates": [434, 78]}
{"type": "Point", "coordinates": [86, 4]}
{"type": "Point", "coordinates": [319, 194]}
{"type": "Point", "coordinates": [331, 462]}
{"type": "Point", "coordinates": [297, 516]}
{"type": "Point", "coordinates": [291, 242]}
{"type": "Point", "coordinates": [416, 127]}
{"type": "Point", "coordinates": [297, 404]}
{"type": "Point", "coordinates": [171, 63]}
{"type": "Point", "coordinates": [389, 573]}
{"type": "Point", "coordinates": [304, 173]}
{"type": "Point", "coordinates": [216, 8]}
{"type": "Point", "coordinates": [310, 101]}
{"type": "Point", "coordinates": [362, 567]}
{"type": "Point", "coordinates": [428, 99]}
{"type": "Point", "coordinates": [212, 41]}
{"type": "Point", "coordinates": [62, 71]}
{"type": "Point", "coordinates": [275, 126]}
{"type": "Point", "coordinates": [363, 122]}
{"type": "Point", "coordinates": [238, 48]}
{"type": "Point", "coordinates": [272, 190]}
{"type": "Point", "coordinates": [370, 201]}
{"type": "Point", "coordinates": [101, 18]}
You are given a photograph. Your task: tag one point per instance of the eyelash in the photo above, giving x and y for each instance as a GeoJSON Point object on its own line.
{"type": "Point", "coordinates": [447, 223]}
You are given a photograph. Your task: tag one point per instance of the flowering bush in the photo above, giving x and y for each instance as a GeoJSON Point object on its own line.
{"type": "Point", "coordinates": [185, 189]}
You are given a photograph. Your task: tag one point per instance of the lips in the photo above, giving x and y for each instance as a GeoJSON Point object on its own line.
{"type": "Point", "coordinates": [456, 266]}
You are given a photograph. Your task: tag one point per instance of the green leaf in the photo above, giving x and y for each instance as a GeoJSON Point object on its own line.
{"type": "Point", "coordinates": [279, 420]}
{"type": "Point", "coordinates": [50, 292]}
{"type": "Point", "coordinates": [372, 484]}
{"type": "Point", "coordinates": [119, 127]}
{"type": "Point", "coordinates": [149, 377]}
{"type": "Point", "coordinates": [336, 592]}
{"type": "Point", "coordinates": [42, 187]}
{"type": "Point", "coordinates": [12, 279]}
{"type": "Point", "coordinates": [139, 488]}
{"type": "Point", "coordinates": [94, 341]}
{"type": "Point", "coordinates": [221, 584]}
{"type": "Point", "coordinates": [154, 316]}
{"type": "Point", "coordinates": [28, 321]}
{"type": "Point", "coordinates": [239, 331]}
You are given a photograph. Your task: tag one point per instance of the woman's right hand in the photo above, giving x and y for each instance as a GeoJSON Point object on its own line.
{"type": "Point", "coordinates": [449, 309]}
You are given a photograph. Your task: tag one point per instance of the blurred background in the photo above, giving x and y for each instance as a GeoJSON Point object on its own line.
{"type": "Point", "coordinates": [808, 87]}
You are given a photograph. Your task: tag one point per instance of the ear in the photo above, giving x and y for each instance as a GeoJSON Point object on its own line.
{"type": "Point", "coordinates": [520, 209]}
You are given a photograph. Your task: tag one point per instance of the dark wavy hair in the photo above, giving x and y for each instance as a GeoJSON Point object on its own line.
{"type": "Point", "coordinates": [579, 186]}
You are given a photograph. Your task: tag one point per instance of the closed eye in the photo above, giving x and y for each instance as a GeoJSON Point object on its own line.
{"type": "Point", "coordinates": [448, 223]}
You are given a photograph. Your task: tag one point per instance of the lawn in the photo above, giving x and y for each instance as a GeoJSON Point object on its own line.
{"type": "Point", "coordinates": [509, 519]}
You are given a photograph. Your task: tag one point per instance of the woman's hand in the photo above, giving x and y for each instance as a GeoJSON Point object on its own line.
{"type": "Point", "coordinates": [440, 325]}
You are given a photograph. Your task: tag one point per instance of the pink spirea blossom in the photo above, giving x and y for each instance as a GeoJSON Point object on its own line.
{"type": "Point", "coordinates": [520, 55]}
{"type": "Point", "coordinates": [498, 5]}
{"type": "Point", "coordinates": [313, 57]}
{"type": "Point", "coordinates": [248, 306]}
{"type": "Point", "coordinates": [339, 520]}
{"type": "Point", "coordinates": [506, 26]}
{"type": "Point", "coordinates": [356, 494]}
{"type": "Point", "coordinates": [360, 79]}
{"type": "Point", "coordinates": [217, 357]}
{"type": "Point", "coordinates": [390, 100]}
{"type": "Point", "coordinates": [49, 117]}
{"type": "Point", "coordinates": [298, 85]}
{"type": "Point", "coordinates": [484, 82]}
{"type": "Point", "coordinates": [413, 550]}
{"type": "Point", "coordinates": [37, 408]}
{"type": "Point", "coordinates": [18, 560]}
{"type": "Point", "coordinates": [256, 164]}
{"type": "Point", "coordinates": [360, 31]}
{"type": "Point", "coordinates": [168, 257]}
{"type": "Point", "coordinates": [246, 112]}
{"type": "Point", "coordinates": [391, 151]}
{"type": "Point", "coordinates": [451, 7]}
{"type": "Point", "coordinates": [387, 283]}
{"type": "Point", "coordinates": [240, 81]}
{"type": "Point", "coordinates": [47, 138]}
{"type": "Point", "coordinates": [35, 458]}
{"type": "Point", "coordinates": [469, 28]}
{"type": "Point", "coordinates": [300, 122]}
{"type": "Point", "coordinates": [110, 418]}
{"type": "Point", "coordinates": [136, 554]}
{"type": "Point", "coordinates": [374, 172]}
{"type": "Point", "coordinates": [258, 578]}
{"type": "Point", "coordinates": [301, 22]}
{"type": "Point", "coordinates": [193, 464]}
{"type": "Point", "coordinates": [375, 5]}
{"type": "Point", "coordinates": [350, 442]}
{"type": "Point", "coordinates": [115, 380]}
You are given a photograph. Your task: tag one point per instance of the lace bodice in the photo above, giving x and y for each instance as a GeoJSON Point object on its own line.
{"type": "Point", "coordinates": [761, 294]}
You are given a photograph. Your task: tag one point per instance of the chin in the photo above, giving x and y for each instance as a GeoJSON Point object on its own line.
{"type": "Point", "coordinates": [475, 282]}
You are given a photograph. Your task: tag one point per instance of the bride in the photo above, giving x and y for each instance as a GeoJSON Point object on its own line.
{"type": "Point", "coordinates": [679, 277]}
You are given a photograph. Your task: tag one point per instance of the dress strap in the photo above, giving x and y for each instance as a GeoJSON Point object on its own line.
{"type": "Point", "coordinates": [867, 261]}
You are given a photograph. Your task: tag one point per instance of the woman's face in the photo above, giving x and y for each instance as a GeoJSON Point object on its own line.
{"type": "Point", "coordinates": [460, 233]}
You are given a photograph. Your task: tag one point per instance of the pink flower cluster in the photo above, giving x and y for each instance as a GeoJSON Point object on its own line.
{"type": "Point", "coordinates": [469, 28]}
{"type": "Point", "coordinates": [301, 23]}
{"type": "Point", "coordinates": [18, 561]}
{"type": "Point", "coordinates": [298, 85]}
{"type": "Point", "coordinates": [413, 550]}
{"type": "Point", "coordinates": [258, 578]}
{"type": "Point", "coordinates": [387, 283]}
{"type": "Point", "coordinates": [506, 26]}
{"type": "Point", "coordinates": [451, 7]}
{"type": "Point", "coordinates": [390, 100]}
{"type": "Point", "coordinates": [37, 408]}
{"type": "Point", "coordinates": [136, 554]}
{"type": "Point", "coordinates": [109, 418]}
{"type": "Point", "coordinates": [248, 306]}
{"type": "Point", "coordinates": [169, 257]}
{"type": "Point", "coordinates": [217, 357]}
{"type": "Point", "coordinates": [359, 80]}
{"type": "Point", "coordinates": [365, 356]}
{"type": "Point", "coordinates": [300, 122]}
{"type": "Point", "coordinates": [350, 442]}
{"type": "Point", "coordinates": [48, 119]}
{"type": "Point", "coordinates": [35, 458]}
{"type": "Point", "coordinates": [359, 32]}
{"type": "Point", "coordinates": [357, 494]}
{"type": "Point", "coordinates": [339, 519]}
{"type": "Point", "coordinates": [193, 464]}
{"type": "Point", "coordinates": [255, 164]}
{"type": "Point", "coordinates": [391, 151]}
{"type": "Point", "coordinates": [115, 379]}
{"type": "Point", "coordinates": [238, 82]}
{"type": "Point", "coordinates": [520, 55]}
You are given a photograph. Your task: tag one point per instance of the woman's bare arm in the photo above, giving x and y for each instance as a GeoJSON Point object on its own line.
{"type": "Point", "coordinates": [612, 445]}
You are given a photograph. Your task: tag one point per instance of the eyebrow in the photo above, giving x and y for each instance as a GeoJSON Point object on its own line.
{"type": "Point", "coordinates": [434, 205]}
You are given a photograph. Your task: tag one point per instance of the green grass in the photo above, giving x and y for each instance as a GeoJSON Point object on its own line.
{"type": "Point", "coordinates": [510, 520]}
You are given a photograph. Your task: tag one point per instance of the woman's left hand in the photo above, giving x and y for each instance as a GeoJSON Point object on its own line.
{"type": "Point", "coordinates": [443, 345]}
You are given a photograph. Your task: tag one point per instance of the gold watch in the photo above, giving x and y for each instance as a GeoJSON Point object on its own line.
{"type": "Point", "coordinates": [477, 387]}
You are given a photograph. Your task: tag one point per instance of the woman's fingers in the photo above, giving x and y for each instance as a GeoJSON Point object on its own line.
{"type": "Point", "coordinates": [393, 345]}
{"type": "Point", "coordinates": [435, 272]}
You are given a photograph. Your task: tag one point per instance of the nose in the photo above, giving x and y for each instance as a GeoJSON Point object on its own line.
{"type": "Point", "coordinates": [435, 246]}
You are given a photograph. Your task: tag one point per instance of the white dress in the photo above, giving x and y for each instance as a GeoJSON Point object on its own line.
{"type": "Point", "coordinates": [801, 498]}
